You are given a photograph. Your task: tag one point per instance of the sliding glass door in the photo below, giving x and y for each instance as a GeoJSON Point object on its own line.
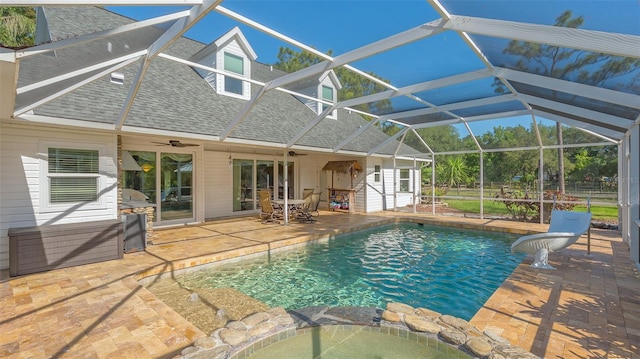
{"type": "Point", "coordinates": [251, 176]}
{"type": "Point", "coordinates": [162, 178]}
{"type": "Point", "coordinates": [176, 185]}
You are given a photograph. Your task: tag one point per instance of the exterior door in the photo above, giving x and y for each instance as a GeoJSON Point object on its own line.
{"type": "Point", "coordinates": [176, 186]}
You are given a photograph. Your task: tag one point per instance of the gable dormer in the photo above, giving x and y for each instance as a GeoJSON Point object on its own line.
{"type": "Point", "coordinates": [328, 91]}
{"type": "Point", "coordinates": [324, 88]}
{"type": "Point", "coordinates": [231, 55]}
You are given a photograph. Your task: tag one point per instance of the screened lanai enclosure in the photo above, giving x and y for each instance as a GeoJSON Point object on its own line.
{"type": "Point", "coordinates": [509, 105]}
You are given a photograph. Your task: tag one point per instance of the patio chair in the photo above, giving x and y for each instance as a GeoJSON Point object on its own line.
{"type": "Point", "coordinates": [306, 192]}
{"type": "Point", "coordinates": [268, 213]}
{"type": "Point", "coordinates": [315, 201]}
{"type": "Point", "coordinates": [306, 212]}
{"type": "Point", "coordinates": [565, 229]}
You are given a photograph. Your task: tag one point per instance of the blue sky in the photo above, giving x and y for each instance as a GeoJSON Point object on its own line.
{"type": "Point", "coordinates": [345, 25]}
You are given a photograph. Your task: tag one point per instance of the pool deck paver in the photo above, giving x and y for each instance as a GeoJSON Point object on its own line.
{"type": "Point", "coordinates": [588, 308]}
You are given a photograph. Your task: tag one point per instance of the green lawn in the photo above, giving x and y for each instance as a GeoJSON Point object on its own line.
{"type": "Point", "coordinates": [603, 213]}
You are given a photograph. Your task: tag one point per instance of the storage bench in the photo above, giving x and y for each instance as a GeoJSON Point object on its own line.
{"type": "Point", "coordinates": [43, 248]}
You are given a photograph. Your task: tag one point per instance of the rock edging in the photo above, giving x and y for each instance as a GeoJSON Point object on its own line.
{"type": "Point", "coordinates": [258, 328]}
{"type": "Point", "coordinates": [453, 331]}
{"type": "Point", "coordinates": [225, 342]}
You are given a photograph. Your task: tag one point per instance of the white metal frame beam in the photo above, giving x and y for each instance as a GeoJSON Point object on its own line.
{"type": "Point", "coordinates": [574, 88]}
{"type": "Point", "coordinates": [176, 31]}
{"type": "Point", "coordinates": [129, 59]}
{"type": "Point", "coordinates": [589, 40]}
{"type": "Point", "coordinates": [403, 38]}
{"type": "Point", "coordinates": [617, 135]}
{"type": "Point", "coordinates": [605, 119]}
{"type": "Point", "coordinates": [424, 86]}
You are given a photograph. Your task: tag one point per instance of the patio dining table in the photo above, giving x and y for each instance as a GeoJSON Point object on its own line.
{"type": "Point", "coordinates": [293, 206]}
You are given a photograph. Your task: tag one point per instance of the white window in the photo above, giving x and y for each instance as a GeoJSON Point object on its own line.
{"type": "Point", "coordinates": [235, 64]}
{"type": "Point", "coordinates": [405, 182]}
{"type": "Point", "coordinates": [327, 93]}
{"type": "Point", "coordinates": [376, 173]}
{"type": "Point", "coordinates": [71, 176]}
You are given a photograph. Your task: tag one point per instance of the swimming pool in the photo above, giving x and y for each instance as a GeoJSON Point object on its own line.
{"type": "Point", "coordinates": [449, 270]}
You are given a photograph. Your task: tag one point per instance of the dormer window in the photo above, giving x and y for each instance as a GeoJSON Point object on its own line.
{"type": "Point", "coordinates": [230, 54]}
{"type": "Point", "coordinates": [234, 64]}
{"type": "Point", "coordinates": [327, 93]}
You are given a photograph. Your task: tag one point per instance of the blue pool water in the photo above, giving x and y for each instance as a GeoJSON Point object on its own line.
{"type": "Point", "coordinates": [451, 271]}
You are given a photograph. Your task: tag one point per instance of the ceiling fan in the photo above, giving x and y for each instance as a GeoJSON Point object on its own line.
{"type": "Point", "coordinates": [294, 154]}
{"type": "Point", "coordinates": [176, 143]}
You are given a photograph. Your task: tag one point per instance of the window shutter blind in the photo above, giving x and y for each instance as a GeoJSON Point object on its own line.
{"type": "Point", "coordinates": [73, 175]}
{"type": "Point", "coordinates": [327, 93]}
{"type": "Point", "coordinates": [64, 160]}
{"type": "Point", "coordinates": [233, 63]}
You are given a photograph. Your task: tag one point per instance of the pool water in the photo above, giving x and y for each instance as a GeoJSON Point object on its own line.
{"type": "Point", "coordinates": [336, 342]}
{"type": "Point", "coordinates": [452, 271]}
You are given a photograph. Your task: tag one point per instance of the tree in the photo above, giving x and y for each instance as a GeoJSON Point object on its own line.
{"type": "Point", "coordinates": [17, 26]}
{"type": "Point", "coordinates": [567, 64]}
{"type": "Point", "coordinates": [353, 84]}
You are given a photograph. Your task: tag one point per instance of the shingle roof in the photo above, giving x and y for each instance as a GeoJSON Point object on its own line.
{"type": "Point", "coordinates": [174, 97]}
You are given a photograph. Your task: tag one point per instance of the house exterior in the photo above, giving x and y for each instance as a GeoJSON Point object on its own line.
{"type": "Point", "coordinates": [187, 148]}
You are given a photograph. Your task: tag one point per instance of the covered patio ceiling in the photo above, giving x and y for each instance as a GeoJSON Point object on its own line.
{"type": "Point", "coordinates": [446, 65]}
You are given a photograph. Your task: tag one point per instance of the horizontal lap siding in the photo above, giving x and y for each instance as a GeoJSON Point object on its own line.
{"type": "Point", "coordinates": [374, 190]}
{"type": "Point", "coordinates": [218, 194]}
{"type": "Point", "coordinates": [20, 178]}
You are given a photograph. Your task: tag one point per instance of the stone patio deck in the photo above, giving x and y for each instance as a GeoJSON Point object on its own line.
{"type": "Point", "coordinates": [588, 308]}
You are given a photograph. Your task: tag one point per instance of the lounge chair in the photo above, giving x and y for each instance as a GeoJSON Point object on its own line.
{"type": "Point", "coordinates": [565, 229]}
{"type": "Point", "coordinates": [268, 213]}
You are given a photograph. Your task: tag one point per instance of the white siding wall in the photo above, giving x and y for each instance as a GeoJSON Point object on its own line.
{"type": "Point", "coordinates": [209, 76]}
{"type": "Point", "coordinates": [374, 190]}
{"type": "Point", "coordinates": [20, 180]}
{"type": "Point", "coordinates": [402, 199]}
{"type": "Point", "coordinates": [218, 177]}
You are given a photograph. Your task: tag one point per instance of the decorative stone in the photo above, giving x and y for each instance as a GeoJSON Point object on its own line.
{"type": "Point", "coordinates": [453, 337]}
{"type": "Point", "coordinates": [495, 356]}
{"type": "Point", "coordinates": [205, 342]}
{"type": "Point", "coordinates": [236, 325]}
{"type": "Point", "coordinates": [277, 311]}
{"type": "Point", "coordinates": [474, 332]}
{"type": "Point", "coordinates": [261, 329]}
{"type": "Point", "coordinates": [479, 346]}
{"type": "Point", "coordinates": [418, 324]}
{"type": "Point", "coordinates": [496, 337]}
{"type": "Point", "coordinates": [427, 313]}
{"type": "Point", "coordinates": [215, 353]}
{"type": "Point", "coordinates": [509, 351]}
{"type": "Point", "coordinates": [283, 320]}
{"type": "Point", "coordinates": [456, 323]}
{"type": "Point", "coordinates": [390, 316]}
{"type": "Point", "coordinates": [233, 337]}
{"type": "Point", "coordinates": [400, 308]}
{"type": "Point", "coordinates": [189, 350]}
{"type": "Point", "coordinates": [252, 320]}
